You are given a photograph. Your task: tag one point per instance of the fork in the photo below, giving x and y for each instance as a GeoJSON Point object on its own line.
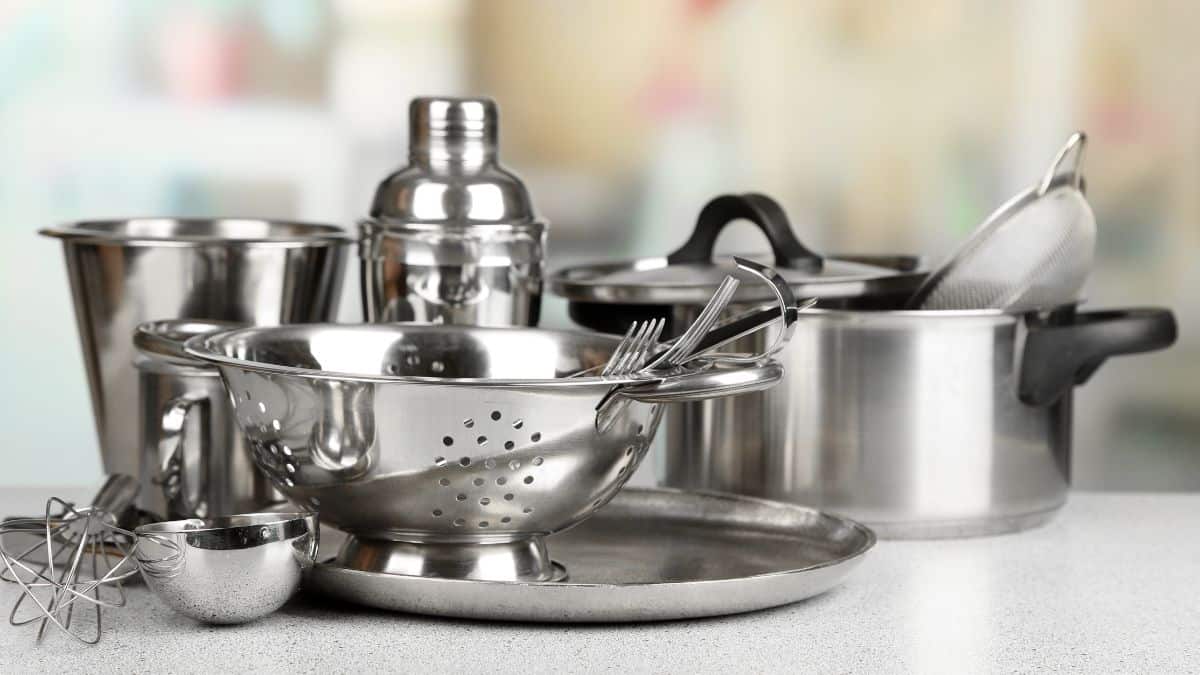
{"type": "Point", "coordinates": [631, 353]}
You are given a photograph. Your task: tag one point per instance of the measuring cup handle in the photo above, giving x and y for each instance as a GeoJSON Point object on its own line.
{"type": "Point", "coordinates": [1058, 357]}
{"type": "Point", "coordinates": [759, 209]}
{"type": "Point", "coordinates": [172, 473]}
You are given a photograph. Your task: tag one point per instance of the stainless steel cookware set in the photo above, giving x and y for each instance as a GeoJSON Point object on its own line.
{"type": "Point", "coordinates": [454, 445]}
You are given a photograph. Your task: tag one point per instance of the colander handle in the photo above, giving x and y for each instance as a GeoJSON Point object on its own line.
{"type": "Point", "coordinates": [172, 474]}
{"type": "Point", "coordinates": [717, 381]}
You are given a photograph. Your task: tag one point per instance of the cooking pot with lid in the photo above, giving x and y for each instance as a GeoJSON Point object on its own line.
{"type": "Point", "coordinates": [917, 423]}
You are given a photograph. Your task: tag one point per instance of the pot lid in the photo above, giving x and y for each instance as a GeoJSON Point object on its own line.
{"type": "Point", "coordinates": [692, 273]}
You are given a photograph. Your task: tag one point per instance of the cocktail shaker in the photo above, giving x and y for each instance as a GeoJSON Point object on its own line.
{"type": "Point", "coordinates": [453, 237]}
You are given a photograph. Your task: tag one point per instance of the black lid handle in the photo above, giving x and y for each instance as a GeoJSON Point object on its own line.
{"type": "Point", "coordinates": [1058, 357]}
{"type": "Point", "coordinates": [759, 209]}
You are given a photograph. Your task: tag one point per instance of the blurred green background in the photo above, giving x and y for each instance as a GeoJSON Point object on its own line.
{"type": "Point", "coordinates": [881, 126]}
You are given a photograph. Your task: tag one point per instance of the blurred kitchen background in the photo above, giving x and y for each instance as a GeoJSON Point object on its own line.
{"type": "Point", "coordinates": [881, 126]}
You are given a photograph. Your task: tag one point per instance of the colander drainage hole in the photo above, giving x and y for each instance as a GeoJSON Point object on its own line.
{"type": "Point", "coordinates": [506, 519]}
{"type": "Point", "coordinates": [262, 407]}
{"type": "Point", "coordinates": [447, 441]}
{"type": "Point", "coordinates": [483, 523]}
{"type": "Point", "coordinates": [459, 522]}
{"type": "Point", "coordinates": [528, 480]}
{"type": "Point", "coordinates": [508, 497]}
{"type": "Point", "coordinates": [527, 509]}
{"type": "Point", "coordinates": [485, 501]}
{"type": "Point", "coordinates": [537, 461]}
{"type": "Point", "coordinates": [629, 451]}
{"type": "Point", "coordinates": [514, 465]}
{"type": "Point", "coordinates": [465, 461]}
{"type": "Point", "coordinates": [537, 436]}
{"type": "Point", "coordinates": [437, 513]}
{"type": "Point", "coordinates": [440, 461]}
{"type": "Point", "coordinates": [495, 415]}
{"type": "Point", "coordinates": [468, 423]}
{"type": "Point", "coordinates": [501, 480]}
{"type": "Point", "coordinates": [518, 423]}
{"type": "Point", "coordinates": [482, 440]}
{"type": "Point", "coordinates": [640, 429]}
{"type": "Point", "coordinates": [461, 497]}
{"type": "Point", "coordinates": [489, 463]}
{"type": "Point", "coordinates": [445, 482]}
{"type": "Point", "coordinates": [478, 482]}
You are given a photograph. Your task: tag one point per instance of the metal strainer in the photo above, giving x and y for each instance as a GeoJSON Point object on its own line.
{"type": "Point", "coordinates": [446, 450]}
{"type": "Point", "coordinates": [1034, 252]}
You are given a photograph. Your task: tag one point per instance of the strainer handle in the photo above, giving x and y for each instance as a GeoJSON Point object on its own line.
{"type": "Point", "coordinates": [172, 471]}
{"type": "Point", "coordinates": [717, 381]}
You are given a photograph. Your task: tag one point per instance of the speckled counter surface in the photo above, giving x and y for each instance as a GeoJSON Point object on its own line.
{"type": "Point", "coordinates": [1111, 585]}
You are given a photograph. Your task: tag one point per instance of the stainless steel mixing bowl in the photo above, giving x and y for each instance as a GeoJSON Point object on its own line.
{"type": "Point", "coordinates": [459, 446]}
{"type": "Point", "coordinates": [230, 569]}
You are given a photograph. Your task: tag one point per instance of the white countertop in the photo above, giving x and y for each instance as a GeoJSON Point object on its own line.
{"type": "Point", "coordinates": [1111, 585]}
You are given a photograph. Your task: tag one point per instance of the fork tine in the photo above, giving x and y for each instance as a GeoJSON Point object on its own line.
{"type": "Point", "coordinates": [617, 365]}
{"type": "Point", "coordinates": [651, 344]}
{"type": "Point", "coordinates": [635, 354]}
{"type": "Point", "coordinates": [622, 347]}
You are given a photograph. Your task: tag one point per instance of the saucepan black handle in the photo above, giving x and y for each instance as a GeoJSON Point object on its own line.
{"type": "Point", "coordinates": [759, 209]}
{"type": "Point", "coordinates": [1058, 357]}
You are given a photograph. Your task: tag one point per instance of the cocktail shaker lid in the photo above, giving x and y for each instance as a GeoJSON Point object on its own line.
{"type": "Point", "coordinates": [453, 177]}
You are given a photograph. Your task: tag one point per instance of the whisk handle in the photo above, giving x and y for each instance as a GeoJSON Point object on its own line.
{"type": "Point", "coordinates": [117, 494]}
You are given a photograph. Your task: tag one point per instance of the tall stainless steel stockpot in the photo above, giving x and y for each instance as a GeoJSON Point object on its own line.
{"type": "Point", "coordinates": [125, 272]}
{"type": "Point", "coordinates": [919, 424]}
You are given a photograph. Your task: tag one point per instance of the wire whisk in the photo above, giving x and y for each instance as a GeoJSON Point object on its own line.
{"type": "Point", "coordinates": [71, 557]}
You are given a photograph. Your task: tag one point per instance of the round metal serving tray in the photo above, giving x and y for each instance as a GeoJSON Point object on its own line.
{"type": "Point", "coordinates": [649, 555]}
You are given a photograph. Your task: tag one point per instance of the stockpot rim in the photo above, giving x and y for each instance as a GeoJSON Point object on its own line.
{"type": "Point", "coordinates": [914, 316]}
{"type": "Point", "coordinates": [299, 234]}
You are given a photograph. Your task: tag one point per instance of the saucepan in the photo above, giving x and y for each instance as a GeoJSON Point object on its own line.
{"type": "Point", "coordinates": [916, 423]}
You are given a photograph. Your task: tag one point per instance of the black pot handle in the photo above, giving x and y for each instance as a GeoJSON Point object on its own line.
{"type": "Point", "coordinates": [759, 209]}
{"type": "Point", "coordinates": [1058, 357]}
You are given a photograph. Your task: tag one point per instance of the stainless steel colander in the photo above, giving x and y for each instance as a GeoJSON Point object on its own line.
{"type": "Point", "coordinates": [448, 450]}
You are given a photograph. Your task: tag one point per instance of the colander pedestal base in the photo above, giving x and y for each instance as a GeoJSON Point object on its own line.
{"type": "Point", "coordinates": [524, 560]}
